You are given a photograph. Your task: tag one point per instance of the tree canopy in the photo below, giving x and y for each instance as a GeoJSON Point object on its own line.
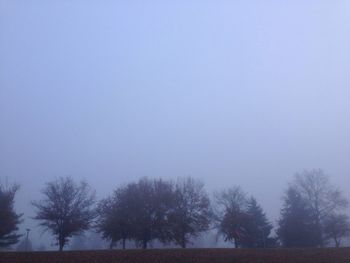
{"type": "Point", "coordinates": [232, 216]}
{"type": "Point", "coordinates": [297, 227]}
{"type": "Point", "coordinates": [9, 219]}
{"type": "Point", "coordinates": [191, 213]}
{"type": "Point", "coordinates": [67, 210]}
{"type": "Point", "coordinates": [257, 227]}
{"type": "Point", "coordinates": [322, 199]}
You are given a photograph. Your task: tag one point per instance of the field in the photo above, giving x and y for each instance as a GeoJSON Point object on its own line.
{"type": "Point", "coordinates": [331, 255]}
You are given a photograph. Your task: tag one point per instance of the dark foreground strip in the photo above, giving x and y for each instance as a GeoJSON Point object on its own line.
{"type": "Point", "coordinates": [330, 255]}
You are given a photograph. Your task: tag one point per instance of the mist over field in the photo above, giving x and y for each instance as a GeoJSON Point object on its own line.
{"type": "Point", "coordinates": [233, 93]}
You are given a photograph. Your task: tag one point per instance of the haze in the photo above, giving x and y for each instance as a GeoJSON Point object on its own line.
{"type": "Point", "coordinates": [233, 92]}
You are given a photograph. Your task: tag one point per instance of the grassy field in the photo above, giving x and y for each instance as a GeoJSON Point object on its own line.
{"type": "Point", "coordinates": [331, 255]}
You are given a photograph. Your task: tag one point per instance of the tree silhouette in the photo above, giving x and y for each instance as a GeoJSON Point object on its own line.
{"type": "Point", "coordinates": [297, 227]}
{"type": "Point", "coordinates": [321, 197]}
{"type": "Point", "coordinates": [9, 219]}
{"type": "Point", "coordinates": [191, 211]}
{"type": "Point", "coordinates": [232, 215]}
{"type": "Point", "coordinates": [337, 227]}
{"type": "Point", "coordinates": [257, 227]}
{"type": "Point", "coordinates": [67, 209]}
{"type": "Point", "coordinates": [115, 217]}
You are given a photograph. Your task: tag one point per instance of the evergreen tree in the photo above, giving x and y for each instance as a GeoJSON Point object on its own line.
{"type": "Point", "coordinates": [257, 227]}
{"type": "Point", "coordinates": [297, 225]}
{"type": "Point", "coordinates": [9, 219]}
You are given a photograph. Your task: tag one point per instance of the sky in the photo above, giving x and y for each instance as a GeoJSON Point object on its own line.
{"type": "Point", "coordinates": [230, 92]}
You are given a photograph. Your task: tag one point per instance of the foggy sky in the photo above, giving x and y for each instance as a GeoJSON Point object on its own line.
{"type": "Point", "coordinates": [233, 92]}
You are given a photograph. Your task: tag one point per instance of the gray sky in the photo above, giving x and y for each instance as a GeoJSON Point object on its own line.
{"type": "Point", "coordinates": [234, 92]}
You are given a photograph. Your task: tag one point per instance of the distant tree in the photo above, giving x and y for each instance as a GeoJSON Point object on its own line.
{"type": "Point", "coordinates": [191, 211]}
{"type": "Point", "coordinates": [151, 202]}
{"type": "Point", "coordinates": [94, 241]}
{"type": "Point", "coordinates": [115, 217]}
{"type": "Point", "coordinates": [41, 247]}
{"type": "Point", "coordinates": [78, 242]}
{"type": "Point", "coordinates": [232, 215]}
{"type": "Point", "coordinates": [257, 227]}
{"type": "Point", "coordinates": [67, 210]}
{"type": "Point", "coordinates": [139, 211]}
{"type": "Point", "coordinates": [297, 227]}
{"type": "Point", "coordinates": [9, 219]}
{"type": "Point", "coordinates": [232, 226]}
{"type": "Point", "coordinates": [337, 227]}
{"type": "Point", "coordinates": [25, 245]}
{"type": "Point", "coordinates": [321, 197]}
{"type": "Point", "coordinates": [90, 240]}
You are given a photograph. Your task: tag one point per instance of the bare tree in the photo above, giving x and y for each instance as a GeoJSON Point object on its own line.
{"type": "Point", "coordinates": [337, 227]}
{"type": "Point", "coordinates": [151, 202]}
{"type": "Point", "coordinates": [321, 196]}
{"type": "Point", "coordinates": [67, 209]}
{"type": "Point", "coordinates": [9, 219]}
{"type": "Point", "coordinates": [139, 211]}
{"type": "Point", "coordinates": [232, 215]}
{"type": "Point", "coordinates": [115, 217]}
{"type": "Point", "coordinates": [191, 212]}
{"type": "Point", "coordinates": [232, 197]}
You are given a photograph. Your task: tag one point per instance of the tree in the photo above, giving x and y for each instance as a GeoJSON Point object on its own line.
{"type": "Point", "coordinates": [191, 212]}
{"type": "Point", "coordinates": [115, 217]}
{"type": "Point", "coordinates": [257, 227]}
{"type": "Point", "coordinates": [25, 245]}
{"type": "Point", "coordinates": [78, 242]}
{"type": "Point", "coordinates": [155, 209]}
{"type": "Point", "coordinates": [67, 210]}
{"type": "Point", "coordinates": [41, 247]}
{"type": "Point", "coordinates": [321, 197]}
{"type": "Point", "coordinates": [297, 227]}
{"type": "Point", "coordinates": [9, 219]}
{"type": "Point", "coordinates": [138, 211]}
{"type": "Point", "coordinates": [232, 215]}
{"type": "Point", "coordinates": [151, 202]}
{"type": "Point", "coordinates": [337, 227]}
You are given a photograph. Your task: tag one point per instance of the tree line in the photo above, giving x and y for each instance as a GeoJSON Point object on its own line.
{"type": "Point", "coordinates": [175, 212]}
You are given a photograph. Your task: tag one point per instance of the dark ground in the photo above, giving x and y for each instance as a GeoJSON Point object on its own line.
{"type": "Point", "coordinates": [329, 255]}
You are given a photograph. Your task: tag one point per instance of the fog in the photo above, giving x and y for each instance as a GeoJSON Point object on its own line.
{"type": "Point", "coordinates": [231, 92]}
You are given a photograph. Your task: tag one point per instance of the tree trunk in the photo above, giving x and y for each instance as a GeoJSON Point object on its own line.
{"type": "Point", "coordinates": [111, 245]}
{"type": "Point", "coordinates": [320, 232]}
{"type": "Point", "coordinates": [61, 245]}
{"type": "Point", "coordinates": [123, 243]}
{"type": "Point", "coordinates": [236, 243]}
{"type": "Point", "coordinates": [337, 242]}
{"type": "Point", "coordinates": [144, 244]}
{"type": "Point", "coordinates": [183, 239]}
{"type": "Point", "coordinates": [183, 243]}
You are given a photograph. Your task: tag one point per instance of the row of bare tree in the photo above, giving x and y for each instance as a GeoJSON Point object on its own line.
{"type": "Point", "coordinates": [175, 212]}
